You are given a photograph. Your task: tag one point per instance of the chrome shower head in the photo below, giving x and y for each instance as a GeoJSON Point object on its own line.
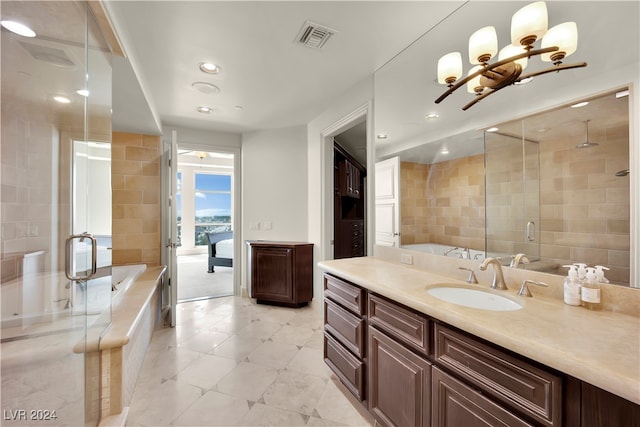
{"type": "Point", "coordinates": [623, 172]}
{"type": "Point", "coordinates": [586, 143]}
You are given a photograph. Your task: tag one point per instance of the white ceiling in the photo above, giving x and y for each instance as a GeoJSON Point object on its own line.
{"type": "Point", "coordinates": [276, 82]}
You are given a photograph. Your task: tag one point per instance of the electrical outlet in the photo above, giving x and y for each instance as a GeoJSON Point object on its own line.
{"type": "Point", "coordinates": [406, 259]}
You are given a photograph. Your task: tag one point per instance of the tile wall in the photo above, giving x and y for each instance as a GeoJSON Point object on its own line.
{"type": "Point", "coordinates": [443, 202]}
{"type": "Point", "coordinates": [135, 181]}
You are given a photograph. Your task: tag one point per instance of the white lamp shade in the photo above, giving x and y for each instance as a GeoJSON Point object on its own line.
{"type": "Point", "coordinates": [530, 21]}
{"type": "Point", "coordinates": [511, 50]}
{"type": "Point", "coordinates": [474, 82]}
{"type": "Point", "coordinates": [482, 43]}
{"type": "Point", "coordinates": [565, 36]}
{"type": "Point", "coordinates": [449, 66]}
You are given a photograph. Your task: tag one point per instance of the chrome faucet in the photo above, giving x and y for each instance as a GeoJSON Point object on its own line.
{"type": "Point", "coordinates": [498, 277]}
{"type": "Point", "coordinates": [448, 251]}
{"type": "Point", "coordinates": [518, 259]}
{"type": "Point", "coordinates": [524, 289]}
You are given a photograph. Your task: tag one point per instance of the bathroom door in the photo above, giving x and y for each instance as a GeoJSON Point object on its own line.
{"type": "Point", "coordinates": [172, 228]}
{"type": "Point", "coordinates": [387, 190]}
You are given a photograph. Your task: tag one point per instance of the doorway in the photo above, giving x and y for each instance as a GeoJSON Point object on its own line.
{"type": "Point", "coordinates": [205, 209]}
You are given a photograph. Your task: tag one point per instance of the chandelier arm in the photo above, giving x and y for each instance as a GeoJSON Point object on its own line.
{"type": "Point", "coordinates": [479, 98]}
{"type": "Point", "coordinates": [552, 69]}
{"type": "Point", "coordinates": [490, 67]}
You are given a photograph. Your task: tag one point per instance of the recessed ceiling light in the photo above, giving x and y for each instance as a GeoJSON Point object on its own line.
{"type": "Point", "coordinates": [238, 107]}
{"type": "Point", "coordinates": [205, 87]}
{"type": "Point", "coordinates": [18, 28]}
{"type": "Point", "coordinates": [83, 92]}
{"type": "Point", "coordinates": [61, 99]}
{"type": "Point", "coordinates": [580, 104]}
{"type": "Point", "coordinates": [209, 68]}
{"type": "Point", "coordinates": [622, 93]}
{"type": "Point", "coordinates": [493, 129]}
{"type": "Point", "coordinates": [205, 110]}
{"type": "Point", "coordinates": [432, 116]}
{"type": "Point", "coordinates": [382, 136]}
{"type": "Point", "coordinates": [444, 151]}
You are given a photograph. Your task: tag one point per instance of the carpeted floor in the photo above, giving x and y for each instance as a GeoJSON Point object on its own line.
{"type": "Point", "coordinates": [195, 282]}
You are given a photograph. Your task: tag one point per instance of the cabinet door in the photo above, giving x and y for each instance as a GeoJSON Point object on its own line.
{"type": "Point", "coordinates": [399, 383]}
{"type": "Point", "coordinates": [272, 274]}
{"type": "Point", "coordinates": [455, 405]}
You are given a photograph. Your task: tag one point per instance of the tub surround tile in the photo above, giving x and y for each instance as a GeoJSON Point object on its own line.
{"type": "Point", "coordinates": [600, 347]}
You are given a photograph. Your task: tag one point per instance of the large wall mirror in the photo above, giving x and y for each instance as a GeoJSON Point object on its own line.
{"type": "Point", "coordinates": [550, 181]}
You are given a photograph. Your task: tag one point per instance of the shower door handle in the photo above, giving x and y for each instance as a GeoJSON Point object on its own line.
{"type": "Point", "coordinates": [69, 254]}
{"type": "Point", "coordinates": [531, 231]}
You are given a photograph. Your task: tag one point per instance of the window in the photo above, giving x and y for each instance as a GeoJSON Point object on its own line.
{"type": "Point", "coordinates": [213, 205]}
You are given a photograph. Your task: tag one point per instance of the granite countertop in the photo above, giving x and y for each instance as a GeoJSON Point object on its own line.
{"type": "Point", "coordinates": [599, 347]}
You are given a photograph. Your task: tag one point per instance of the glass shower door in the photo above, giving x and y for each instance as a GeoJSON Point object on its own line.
{"type": "Point", "coordinates": [56, 88]}
{"type": "Point", "coordinates": [512, 197]}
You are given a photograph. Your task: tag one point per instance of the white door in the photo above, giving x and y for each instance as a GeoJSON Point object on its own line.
{"type": "Point", "coordinates": [172, 227]}
{"type": "Point", "coordinates": [387, 189]}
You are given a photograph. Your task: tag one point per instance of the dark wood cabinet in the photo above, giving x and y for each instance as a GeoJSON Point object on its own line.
{"type": "Point", "coordinates": [417, 371]}
{"type": "Point", "coordinates": [345, 333]}
{"type": "Point", "coordinates": [454, 404]}
{"type": "Point", "coordinates": [282, 272]}
{"type": "Point", "coordinates": [349, 206]}
{"type": "Point", "coordinates": [399, 383]}
{"type": "Point", "coordinates": [513, 382]}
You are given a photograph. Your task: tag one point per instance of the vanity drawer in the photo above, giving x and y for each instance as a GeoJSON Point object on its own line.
{"type": "Point", "coordinates": [345, 365]}
{"type": "Point", "coordinates": [345, 327]}
{"type": "Point", "coordinates": [516, 383]}
{"type": "Point", "coordinates": [405, 325]}
{"type": "Point", "coordinates": [349, 296]}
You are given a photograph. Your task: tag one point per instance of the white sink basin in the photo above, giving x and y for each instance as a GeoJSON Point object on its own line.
{"type": "Point", "coordinates": [474, 298]}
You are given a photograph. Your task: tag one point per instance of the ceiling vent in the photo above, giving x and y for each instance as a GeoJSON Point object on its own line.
{"type": "Point", "coordinates": [314, 35]}
{"type": "Point", "coordinates": [48, 54]}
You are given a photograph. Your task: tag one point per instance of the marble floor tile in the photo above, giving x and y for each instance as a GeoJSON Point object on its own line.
{"type": "Point", "coordinates": [295, 335]}
{"type": "Point", "coordinates": [206, 371]}
{"type": "Point", "coordinates": [214, 409]}
{"type": "Point", "coordinates": [273, 354]}
{"type": "Point", "coordinates": [295, 392]}
{"type": "Point", "coordinates": [248, 381]}
{"type": "Point", "coordinates": [237, 363]}
{"type": "Point", "coordinates": [263, 415]}
{"type": "Point", "coordinates": [204, 341]}
{"type": "Point", "coordinates": [309, 361]}
{"type": "Point", "coordinates": [163, 404]}
{"type": "Point", "coordinates": [335, 405]}
{"type": "Point", "coordinates": [237, 347]}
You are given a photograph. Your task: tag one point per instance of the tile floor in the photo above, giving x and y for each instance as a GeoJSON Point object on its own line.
{"type": "Point", "coordinates": [232, 362]}
{"type": "Point", "coordinates": [194, 280]}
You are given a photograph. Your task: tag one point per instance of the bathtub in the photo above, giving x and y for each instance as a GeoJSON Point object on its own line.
{"type": "Point", "coordinates": [37, 298]}
{"type": "Point", "coordinates": [452, 251]}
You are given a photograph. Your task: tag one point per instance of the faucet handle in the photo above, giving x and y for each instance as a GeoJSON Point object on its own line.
{"type": "Point", "coordinates": [472, 275]}
{"type": "Point", "coordinates": [524, 289]}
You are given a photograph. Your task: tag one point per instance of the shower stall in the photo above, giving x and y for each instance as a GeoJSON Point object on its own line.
{"type": "Point", "coordinates": [56, 97]}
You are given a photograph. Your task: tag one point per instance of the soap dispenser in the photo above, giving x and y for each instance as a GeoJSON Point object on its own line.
{"type": "Point", "coordinates": [590, 293]}
{"type": "Point", "coordinates": [600, 274]}
{"type": "Point", "coordinates": [572, 287]}
{"type": "Point", "coordinates": [582, 271]}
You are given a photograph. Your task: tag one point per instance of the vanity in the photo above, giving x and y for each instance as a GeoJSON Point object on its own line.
{"type": "Point", "coordinates": [413, 359]}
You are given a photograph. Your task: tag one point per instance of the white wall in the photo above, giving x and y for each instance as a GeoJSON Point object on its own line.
{"type": "Point", "coordinates": [274, 186]}
{"type": "Point", "coordinates": [318, 171]}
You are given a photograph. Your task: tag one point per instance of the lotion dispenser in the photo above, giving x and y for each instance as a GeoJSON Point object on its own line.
{"type": "Point", "coordinates": [590, 293]}
{"type": "Point", "coordinates": [572, 287]}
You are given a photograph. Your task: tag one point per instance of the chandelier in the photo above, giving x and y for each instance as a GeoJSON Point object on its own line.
{"type": "Point", "coordinates": [528, 25]}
